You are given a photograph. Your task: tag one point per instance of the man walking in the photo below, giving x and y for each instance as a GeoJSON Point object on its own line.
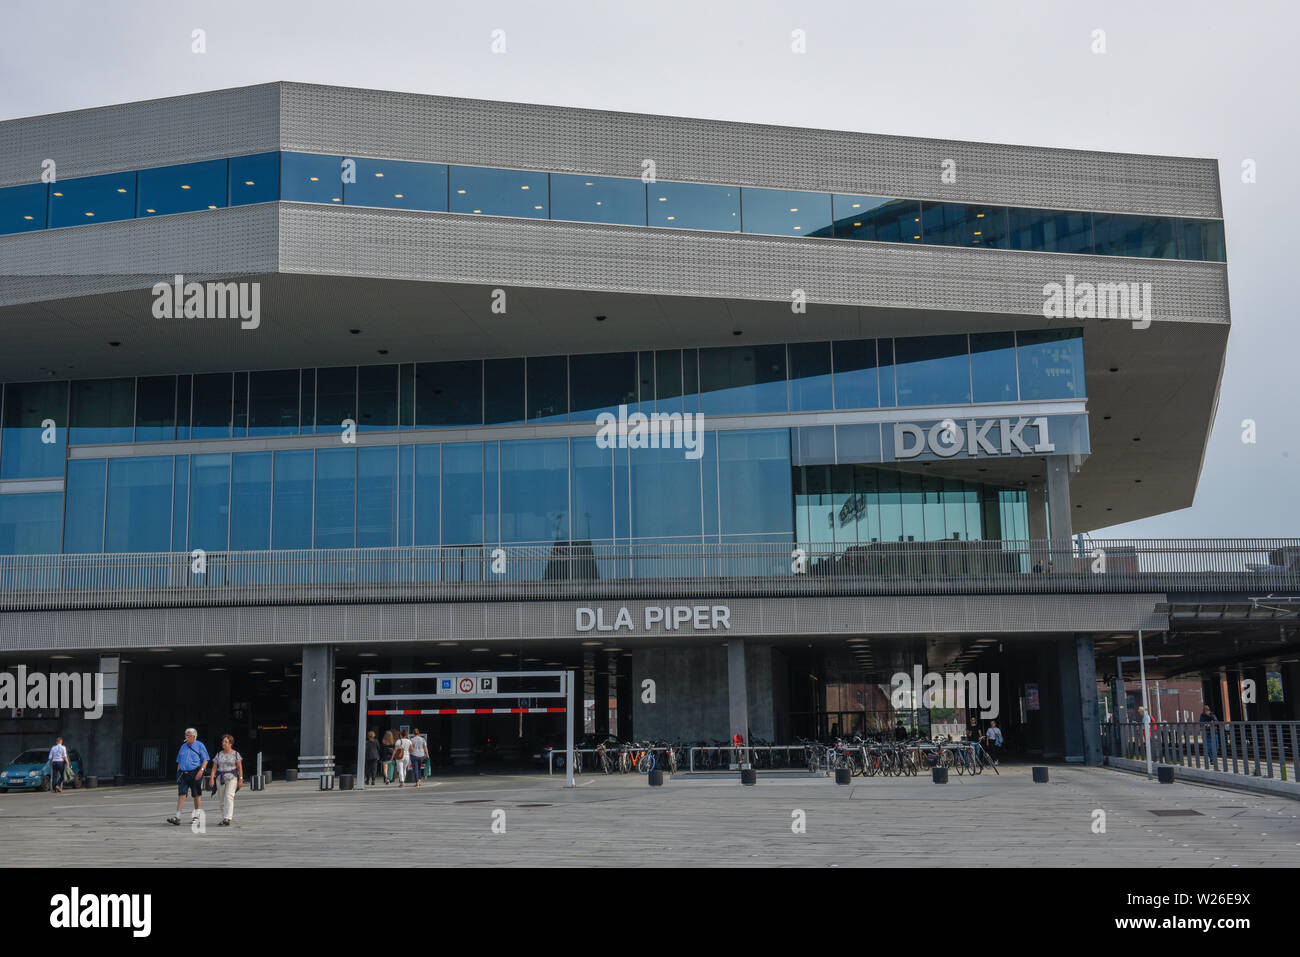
{"type": "Point", "coordinates": [58, 762]}
{"type": "Point", "coordinates": [1209, 720]}
{"type": "Point", "coordinates": [419, 754]}
{"type": "Point", "coordinates": [994, 736]}
{"type": "Point", "coordinates": [191, 760]}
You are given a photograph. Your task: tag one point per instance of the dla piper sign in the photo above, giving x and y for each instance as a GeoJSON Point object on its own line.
{"type": "Point", "coordinates": [667, 617]}
{"type": "Point", "coordinates": [977, 438]}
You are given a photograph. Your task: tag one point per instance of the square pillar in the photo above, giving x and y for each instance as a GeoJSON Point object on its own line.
{"type": "Point", "coordinates": [737, 694]}
{"type": "Point", "coordinates": [1090, 712]}
{"type": "Point", "coordinates": [1060, 523]}
{"type": "Point", "coordinates": [316, 738]}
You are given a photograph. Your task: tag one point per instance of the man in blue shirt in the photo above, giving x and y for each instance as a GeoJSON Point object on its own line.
{"type": "Point", "coordinates": [58, 761]}
{"type": "Point", "coordinates": [191, 760]}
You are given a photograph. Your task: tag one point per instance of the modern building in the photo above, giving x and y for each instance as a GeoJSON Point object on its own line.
{"type": "Point", "coordinates": [922, 367]}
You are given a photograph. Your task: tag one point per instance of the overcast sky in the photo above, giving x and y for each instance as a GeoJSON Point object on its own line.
{"type": "Point", "coordinates": [1212, 79]}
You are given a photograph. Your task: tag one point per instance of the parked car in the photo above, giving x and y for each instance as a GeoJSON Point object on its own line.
{"type": "Point", "coordinates": [30, 771]}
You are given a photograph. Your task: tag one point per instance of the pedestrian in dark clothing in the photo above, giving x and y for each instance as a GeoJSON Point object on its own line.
{"type": "Point", "coordinates": [1210, 720]}
{"type": "Point", "coordinates": [372, 757]}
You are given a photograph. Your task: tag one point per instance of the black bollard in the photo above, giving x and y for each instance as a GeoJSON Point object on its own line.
{"type": "Point", "coordinates": [843, 776]}
{"type": "Point", "coordinates": [939, 775]}
{"type": "Point", "coordinates": [347, 782]}
{"type": "Point", "coordinates": [91, 781]}
{"type": "Point", "coordinates": [1040, 775]}
{"type": "Point", "coordinates": [748, 777]}
{"type": "Point", "coordinates": [1165, 774]}
{"type": "Point", "coordinates": [656, 778]}
{"type": "Point", "coordinates": [291, 774]}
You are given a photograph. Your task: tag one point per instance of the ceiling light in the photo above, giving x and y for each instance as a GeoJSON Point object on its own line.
{"type": "Point", "coordinates": [978, 233]}
{"type": "Point", "coordinates": [506, 654]}
{"type": "Point", "coordinates": [480, 649]}
{"type": "Point", "coordinates": [214, 654]}
{"type": "Point", "coordinates": [314, 179]}
{"type": "Point", "coordinates": [591, 644]}
{"type": "Point", "coordinates": [248, 182]}
{"type": "Point", "coordinates": [367, 654]}
{"type": "Point", "coordinates": [61, 657]}
{"type": "Point", "coordinates": [460, 192]}
{"type": "Point", "coordinates": [216, 669]}
{"type": "Point", "coordinates": [121, 189]}
{"type": "Point", "coordinates": [171, 666]}
{"type": "Point", "coordinates": [90, 214]}
{"type": "Point", "coordinates": [857, 224]}
{"type": "Point", "coordinates": [255, 659]}
{"type": "Point", "coordinates": [478, 210]}
{"type": "Point", "coordinates": [856, 205]}
{"type": "Point", "coordinates": [672, 217]}
{"type": "Point", "coordinates": [380, 175]}
{"type": "Point", "coordinates": [397, 196]}
{"type": "Point", "coordinates": [151, 210]}
{"type": "Point", "coordinates": [798, 227]}
{"type": "Point", "coordinates": [336, 200]}
{"type": "Point", "coordinates": [794, 209]}
{"type": "Point", "coordinates": [184, 186]}
{"type": "Point", "coordinates": [257, 672]}
{"type": "Point", "coordinates": [58, 194]}
{"type": "Point", "coordinates": [26, 217]}
{"type": "Point", "coordinates": [212, 207]}
{"type": "Point", "coordinates": [662, 199]}
{"type": "Point", "coordinates": [916, 237]}
{"type": "Point", "coordinates": [537, 207]}
{"type": "Point", "coordinates": [523, 187]}
{"type": "Point", "coordinates": [448, 644]}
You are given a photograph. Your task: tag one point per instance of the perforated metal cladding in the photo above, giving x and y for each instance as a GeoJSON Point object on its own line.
{"type": "Point", "coordinates": [524, 621]}
{"type": "Point", "coordinates": [539, 253]}
{"type": "Point", "coordinates": [485, 133]}
{"type": "Point", "coordinates": [180, 129]}
{"type": "Point", "coordinates": [135, 254]}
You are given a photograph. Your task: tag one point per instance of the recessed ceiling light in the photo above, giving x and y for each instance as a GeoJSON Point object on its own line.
{"type": "Point", "coordinates": [27, 217]}
{"type": "Point", "coordinates": [257, 672]}
{"type": "Point", "coordinates": [523, 187]}
{"type": "Point", "coordinates": [214, 654]}
{"type": "Point", "coordinates": [460, 192]}
{"type": "Point", "coordinates": [58, 194]}
{"type": "Point", "coordinates": [151, 210]}
{"type": "Point", "coordinates": [448, 644]}
{"type": "Point", "coordinates": [163, 649]}
{"type": "Point", "coordinates": [90, 214]}
{"type": "Point", "coordinates": [367, 654]}
{"type": "Point", "coordinates": [255, 659]}
{"type": "Point", "coordinates": [184, 187]}
{"type": "Point", "coordinates": [433, 664]}
{"type": "Point", "coordinates": [171, 666]}
{"type": "Point", "coordinates": [398, 196]}
{"type": "Point", "coordinates": [591, 644]}
{"type": "Point", "coordinates": [380, 175]}
{"type": "Point", "coordinates": [478, 210]}
{"type": "Point", "coordinates": [248, 182]}
{"type": "Point", "coordinates": [480, 649]}
{"type": "Point", "coordinates": [506, 654]}
{"type": "Point", "coordinates": [61, 657]}
{"type": "Point", "coordinates": [314, 179]}
{"type": "Point", "coordinates": [216, 669]}
{"type": "Point", "coordinates": [121, 189]}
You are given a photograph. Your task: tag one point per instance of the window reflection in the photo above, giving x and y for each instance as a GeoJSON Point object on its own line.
{"type": "Point", "coordinates": [961, 224]}
{"type": "Point", "coordinates": [92, 199]}
{"type": "Point", "coordinates": [1050, 363]}
{"type": "Point", "coordinates": [598, 199]}
{"type": "Point", "coordinates": [398, 185]}
{"type": "Point", "coordinates": [784, 212]}
{"type": "Point", "coordinates": [743, 379]}
{"type": "Point", "coordinates": [1147, 236]}
{"type": "Point", "coordinates": [311, 178]}
{"type": "Point", "coordinates": [932, 370]}
{"type": "Point", "coordinates": [182, 189]}
{"type": "Point", "coordinates": [1052, 231]}
{"type": "Point", "coordinates": [254, 179]}
{"type": "Point", "coordinates": [877, 218]}
{"type": "Point", "coordinates": [498, 192]}
{"type": "Point", "coordinates": [23, 208]}
{"type": "Point", "coordinates": [694, 206]}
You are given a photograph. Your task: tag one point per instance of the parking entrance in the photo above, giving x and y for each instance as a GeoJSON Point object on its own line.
{"type": "Point", "coordinates": [469, 694]}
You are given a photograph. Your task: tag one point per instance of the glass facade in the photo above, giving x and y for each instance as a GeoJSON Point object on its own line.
{"type": "Point", "coordinates": [438, 187]}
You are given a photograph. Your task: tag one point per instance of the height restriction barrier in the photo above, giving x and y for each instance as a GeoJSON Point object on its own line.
{"type": "Point", "coordinates": [453, 693]}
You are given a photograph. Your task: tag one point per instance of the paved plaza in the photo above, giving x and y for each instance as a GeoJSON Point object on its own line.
{"type": "Point", "coordinates": [981, 821]}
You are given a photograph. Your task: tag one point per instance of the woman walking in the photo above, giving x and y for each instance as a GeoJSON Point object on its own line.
{"type": "Point", "coordinates": [386, 755]}
{"type": "Point", "coordinates": [402, 758]}
{"type": "Point", "coordinates": [228, 775]}
{"type": "Point", "coordinates": [372, 757]}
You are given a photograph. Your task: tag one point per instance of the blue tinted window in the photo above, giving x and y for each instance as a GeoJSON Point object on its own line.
{"type": "Point", "coordinates": [1051, 364]}
{"type": "Point", "coordinates": [182, 189]}
{"type": "Point", "coordinates": [694, 206]}
{"type": "Point", "coordinates": [239, 411]}
{"type": "Point", "coordinates": [30, 523]}
{"type": "Point", "coordinates": [993, 366]}
{"type": "Point", "coordinates": [398, 185]}
{"type": "Point", "coordinates": [451, 393]}
{"type": "Point", "coordinates": [1201, 239]}
{"type": "Point", "coordinates": [1119, 235]}
{"type": "Point", "coordinates": [503, 391]}
{"type": "Point", "coordinates": [857, 382]}
{"type": "Point", "coordinates": [535, 491]}
{"type": "Point", "coordinates": [601, 383]}
{"type": "Point", "coordinates": [254, 179]}
{"type": "Point", "coordinates": [184, 405]}
{"type": "Point", "coordinates": [139, 499]}
{"type": "Point", "coordinates": [932, 370]}
{"type": "Point", "coordinates": [405, 495]}
{"type": "Point", "coordinates": [498, 192]}
{"type": "Point", "coordinates": [598, 199]}
{"type": "Point", "coordinates": [961, 224]}
{"type": "Point", "coordinates": [743, 379]}
{"type": "Point", "coordinates": [548, 388]}
{"type": "Point", "coordinates": [273, 402]}
{"type": "Point", "coordinates": [308, 178]}
{"type": "Point", "coordinates": [213, 409]}
{"type": "Point", "coordinates": [665, 496]}
{"type": "Point", "coordinates": [180, 501]}
{"type": "Point", "coordinates": [785, 212]}
{"type": "Point", "coordinates": [810, 376]}
{"type": "Point", "coordinates": [209, 502]}
{"type": "Point", "coordinates": [292, 503]}
{"type": "Point", "coordinates": [250, 502]}
{"type": "Point", "coordinates": [462, 493]}
{"type": "Point", "coordinates": [491, 492]}
{"type": "Point", "coordinates": [155, 408]}
{"type": "Point", "coordinates": [103, 410]}
{"type": "Point", "coordinates": [593, 491]}
{"type": "Point", "coordinates": [92, 199]}
{"type": "Point", "coordinates": [84, 512]}
{"type": "Point", "coordinates": [1051, 231]}
{"type": "Point", "coordinates": [754, 469]}
{"type": "Point", "coordinates": [428, 494]}
{"type": "Point", "coordinates": [27, 405]}
{"type": "Point", "coordinates": [23, 208]}
{"type": "Point", "coordinates": [336, 498]}
{"type": "Point", "coordinates": [376, 497]}
{"type": "Point", "coordinates": [668, 380]}
{"type": "Point", "coordinates": [877, 218]}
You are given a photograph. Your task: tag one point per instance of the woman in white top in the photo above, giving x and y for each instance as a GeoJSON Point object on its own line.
{"type": "Point", "coordinates": [227, 775]}
{"type": "Point", "coordinates": [402, 758]}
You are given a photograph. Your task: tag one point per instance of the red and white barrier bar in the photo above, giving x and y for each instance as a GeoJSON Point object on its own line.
{"type": "Point", "coordinates": [473, 711]}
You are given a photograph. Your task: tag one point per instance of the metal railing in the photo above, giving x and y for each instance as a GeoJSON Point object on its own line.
{"type": "Point", "coordinates": [577, 570]}
{"type": "Point", "coordinates": [1268, 749]}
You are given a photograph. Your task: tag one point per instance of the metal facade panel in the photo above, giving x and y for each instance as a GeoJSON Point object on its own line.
{"type": "Point", "coordinates": [539, 253]}
{"type": "Point", "coordinates": [515, 621]}
{"type": "Point", "coordinates": [179, 129]}
{"type": "Point", "coordinates": [484, 133]}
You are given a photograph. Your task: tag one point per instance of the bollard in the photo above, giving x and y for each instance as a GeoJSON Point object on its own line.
{"type": "Point", "coordinates": [266, 777]}
{"type": "Point", "coordinates": [843, 776]}
{"type": "Point", "coordinates": [90, 781]}
{"type": "Point", "coordinates": [656, 778]}
{"type": "Point", "coordinates": [1165, 774]}
{"type": "Point", "coordinates": [1040, 775]}
{"type": "Point", "coordinates": [347, 782]}
{"type": "Point", "coordinates": [939, 775]}
{"type": "Point", "coordinates": [327, 782]}
{"type": "Point", "coordinates": [748, 777]}
{"type": "Point", "coordinates": [290, 774]}
{"type": "Point", "coordinates": [255, 783]}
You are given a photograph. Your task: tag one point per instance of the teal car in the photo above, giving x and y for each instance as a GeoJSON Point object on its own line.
{"type": "Point", "coordinates": [30, 771]}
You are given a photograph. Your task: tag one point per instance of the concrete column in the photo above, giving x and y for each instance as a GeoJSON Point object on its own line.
{"type": "Point", "coordinates": [316, 741]}
{"type": "Point", "coordinates": [602, 697]}
{"type": "Point", "coordinates": [1070, 687]}
{"type": "Point", "coordinates": [623, 692]}
{"type": "Point", "coordinates": [1036, 495]}
{"type": "Point", "coordinates": [1086, 655]}
{"type": "Point", "coordinates": [1060, 522]}
{"type": "Point", "coordinates": [737, 696]}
